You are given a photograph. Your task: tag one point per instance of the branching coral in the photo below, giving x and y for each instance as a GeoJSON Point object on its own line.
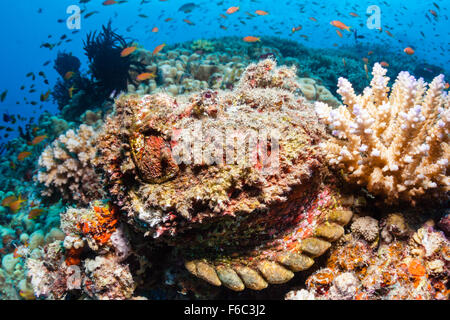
{"type": "Point", "coordinates": [395, 145]}
{"type": "Point", "coordinates": [66, 167]}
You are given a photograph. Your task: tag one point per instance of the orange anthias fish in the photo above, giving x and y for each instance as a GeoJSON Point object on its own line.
{"type": "Point", "coordinates": [16, 205]}
{"type": "Point", "coordinates": [339, 33]}
{"type": "Point", "coordinates": [295, 29]}
{"type": "Point", "coordinates": [145, 76]}
{"type": "Point", "coordinates": [251, 39]}
{"type": "Point", "coordinates": [366, 61]}
{"type": "Point", "coordinates": [23, 155]}
{"type": "Point", "coordinates": [158, 48]}
{"type": "Point", "coordinates": [8, 200]}
{"type": "Point", "coordinates": [313, 19]}
{"type": "Point", "coordinates": [45, 96]}
{"type": "Point", "coordinates": [34, 213]}
{"type": "Point", "coordinates": [409, 51]}
{"type": "Point", "coordinates": [433, 13]}
{"type": "Point", "coordinates": [388, 33]}
{"type": "Point", "coordinates": [354, 14]}
{"type": "Point", "coordinates": [109, 2]}
{"type": "Point", "coordinates": [38, 139]}
{"type": "Point", "coordinates": [68, 75]}
{"type": "Point", "coordinates": [188, 22]}
{"type": "Point", "coordinates": [340, 25]}
{"type": "Point", "coordinates": [369, 53]}
{"type": "Point", "coordinates": [261, 12]}
{"type": "Point", "coordinates": [384, 64]}
{"type": "Point", "coordinates": [155, 29]}
{"type": "Point", "coordinates": [446, 85]}
{"type": "Point", "coordinates": [127, 51]}
{"type": "Point", "coordinates": [232, 10]}
{"type": "Point", "coordinates": [70, 90]}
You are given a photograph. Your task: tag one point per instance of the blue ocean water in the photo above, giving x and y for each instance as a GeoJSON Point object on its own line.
{"type": "Point", "coordinates": [27, 25]}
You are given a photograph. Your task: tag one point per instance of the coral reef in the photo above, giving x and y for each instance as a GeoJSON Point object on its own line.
{"type": "Point", "coordinates": [66, 167]}
{"type": "Point", "coordinates": [211, 179]}
{"type": "Point", "coordinates": [260, 220]}
{"type": "Point", "coordinates": [202, 45]}
{"type": "Point", "coordinates": [69, 267]}
{"type": "Point", "coordinates": [183, 70]}
{"type": "Point", "coordinates": [413, 266]}
{"type": "Point", "coordinates": [395, 145]}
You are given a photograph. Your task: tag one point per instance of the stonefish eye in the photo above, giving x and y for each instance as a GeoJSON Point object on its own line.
{"type": "Point", "coordinates": [152, 156]}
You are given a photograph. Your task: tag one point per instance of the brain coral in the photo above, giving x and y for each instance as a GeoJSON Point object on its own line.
{"type": "Point", "coordinates": [233, 180]}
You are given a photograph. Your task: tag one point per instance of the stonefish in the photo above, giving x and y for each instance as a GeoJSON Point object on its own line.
{"type": "Point", "coordinates": [235, 181]}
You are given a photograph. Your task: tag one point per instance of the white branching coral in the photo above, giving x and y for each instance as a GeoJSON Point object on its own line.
{"type": "Point", "coordinates": [66, 167]}
{"type": "Point", "coordinates": [397, 144]}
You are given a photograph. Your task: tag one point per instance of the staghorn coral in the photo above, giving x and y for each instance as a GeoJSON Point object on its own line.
{"type": "Point", "coordinates": [66, 170]}
{"type": "Point", "coordinates": [244, 223]}
{"type": "Point", "coordinates": [395, 145]}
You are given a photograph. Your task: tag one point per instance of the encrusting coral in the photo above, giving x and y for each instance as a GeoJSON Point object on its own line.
{"type": "Point", "coordinates": [411, 266]}
{"type": "Point", "coordinates": [66, 167]}
{"type": "Point", "coordinates": [395, 145]}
